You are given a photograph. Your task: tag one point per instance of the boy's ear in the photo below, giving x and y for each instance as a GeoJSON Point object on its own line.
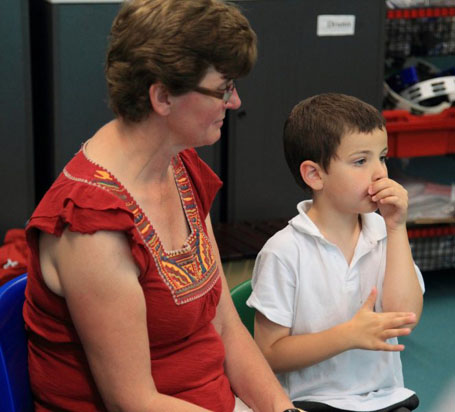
{"type": "Point", "coordinates": [311, 174]}
{"type": "Point", "coordinates": [159, 98]}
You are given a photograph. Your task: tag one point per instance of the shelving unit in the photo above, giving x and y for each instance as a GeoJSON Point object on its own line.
{"type": "Point", "coordinates": [423, 32]}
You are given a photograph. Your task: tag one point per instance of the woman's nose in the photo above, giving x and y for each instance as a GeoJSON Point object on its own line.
{"type": "Point", "coordinates": [234, 102]}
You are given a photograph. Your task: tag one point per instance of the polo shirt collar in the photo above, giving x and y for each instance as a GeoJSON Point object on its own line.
{"type": "Point", "coordinates": [373, 226]}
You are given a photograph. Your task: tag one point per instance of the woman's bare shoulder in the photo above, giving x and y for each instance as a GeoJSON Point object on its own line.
{"type": "Point", "coordinates": [80, 256]}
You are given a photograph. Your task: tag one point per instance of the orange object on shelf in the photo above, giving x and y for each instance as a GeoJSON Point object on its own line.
{"type": "Point", "coordinates": [420, 135]}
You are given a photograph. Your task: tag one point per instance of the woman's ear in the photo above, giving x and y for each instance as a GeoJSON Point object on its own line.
{"type": "Point", "coordinates": [311, 174]}
{"type": "Point", "coordinates": [159, 98]}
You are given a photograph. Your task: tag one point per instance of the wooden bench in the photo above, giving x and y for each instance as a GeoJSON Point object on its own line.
{"type": "Point", "coordinates": [243, 240]}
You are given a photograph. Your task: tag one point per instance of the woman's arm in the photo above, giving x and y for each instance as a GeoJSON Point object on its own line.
{"type": "Point", "coordinates": [99, 280]}
{"type": "Point", "coordinates": [249, 374]}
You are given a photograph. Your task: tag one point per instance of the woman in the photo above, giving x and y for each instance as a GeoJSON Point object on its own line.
{"type": "Point", "coordinates": [126, 307]}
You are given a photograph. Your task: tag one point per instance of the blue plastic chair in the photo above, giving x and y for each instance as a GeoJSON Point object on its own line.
{"type": "Point", "coordinates": [15, 393]}
{"type": "Point", "coordinates": [240, 294]}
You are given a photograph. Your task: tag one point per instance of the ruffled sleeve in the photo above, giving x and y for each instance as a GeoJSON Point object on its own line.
{"type": "Point", "coordinates": [82, 208]}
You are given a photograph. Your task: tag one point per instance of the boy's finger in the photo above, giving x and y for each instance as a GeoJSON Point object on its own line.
{"type": "Point", "coordinates": [391, 200]}
{"type": "Point", "coordinates": [379, 185]}
{"type": "Point", "coordinates": [371, 299]}
{"type": "Point", "coordinates": [397, 319]}
{"type": "Point", "coordinates": [395, 333]}
{"type": "Point", "coordinates": [392, 348]}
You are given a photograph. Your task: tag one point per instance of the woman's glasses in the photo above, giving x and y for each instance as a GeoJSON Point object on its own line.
{"type": "Point", "coordinates": [224, 95]}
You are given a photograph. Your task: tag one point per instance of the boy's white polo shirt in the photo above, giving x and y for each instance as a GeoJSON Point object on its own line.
{"type": "Point", "coordinates": [303, 282]}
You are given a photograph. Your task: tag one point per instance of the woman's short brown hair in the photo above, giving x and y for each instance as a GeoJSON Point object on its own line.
{"type": "Point", "coordinates": [173, 42]}
{"type": "Point", "coordinates": [315, 127]}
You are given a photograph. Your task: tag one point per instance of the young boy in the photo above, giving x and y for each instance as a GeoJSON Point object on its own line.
{"type": "Point", "coordinates": [336, 287]}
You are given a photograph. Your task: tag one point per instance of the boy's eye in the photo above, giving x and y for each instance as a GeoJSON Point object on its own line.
{"type": "Point", "coordinates": [359, 162]}
{"type": "Point", "coordinates": [384, 159]}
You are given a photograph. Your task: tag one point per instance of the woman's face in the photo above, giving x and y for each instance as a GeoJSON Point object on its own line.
{"type": "Point", "coordinates": [196, 117]}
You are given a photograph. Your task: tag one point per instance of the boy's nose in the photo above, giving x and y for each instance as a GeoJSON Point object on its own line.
{"type": "Point", "coordinates": [380, 172]}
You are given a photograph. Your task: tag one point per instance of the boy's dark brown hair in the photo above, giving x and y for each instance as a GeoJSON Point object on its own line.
{"type": "Point", "coordinates": [315, 127]}
{"type": "Point", "coordinates": [173, 42]}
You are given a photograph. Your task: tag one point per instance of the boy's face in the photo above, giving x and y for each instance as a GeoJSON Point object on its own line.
{"type": "Point", "coordinates": [359, 161]}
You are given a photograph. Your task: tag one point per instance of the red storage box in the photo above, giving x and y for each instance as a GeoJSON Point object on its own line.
{"type": "Point", "coordinates": [420, 13]}
{"type": "Point", "coordinates": [425, 135]}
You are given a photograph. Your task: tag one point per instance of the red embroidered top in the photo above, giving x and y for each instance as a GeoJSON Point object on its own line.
{"type": "Point", "coordinates": [182, 289]}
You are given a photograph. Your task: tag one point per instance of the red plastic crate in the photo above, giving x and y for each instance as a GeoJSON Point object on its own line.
{"type": "Point", "coordinates": [426, 12]}
{"type": "Point", "coordinates": [425, 135]}
{"type": "Point", "coordinates": [431, 231]}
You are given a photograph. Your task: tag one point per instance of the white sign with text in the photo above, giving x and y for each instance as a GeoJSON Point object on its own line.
{"type": "Point", "coordinates": [336, 25]}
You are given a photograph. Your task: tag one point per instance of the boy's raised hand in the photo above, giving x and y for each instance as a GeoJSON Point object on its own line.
{"type": "Point", "coordinates": [392, 201]}
{"type": "Point", "coordinates": [370, 330]}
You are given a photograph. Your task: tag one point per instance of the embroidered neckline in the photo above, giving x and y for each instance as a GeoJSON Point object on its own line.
{"type": "Point", "coordinates": [105, 178]}
{"type": "Point", "coordinates": [189, 272]}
